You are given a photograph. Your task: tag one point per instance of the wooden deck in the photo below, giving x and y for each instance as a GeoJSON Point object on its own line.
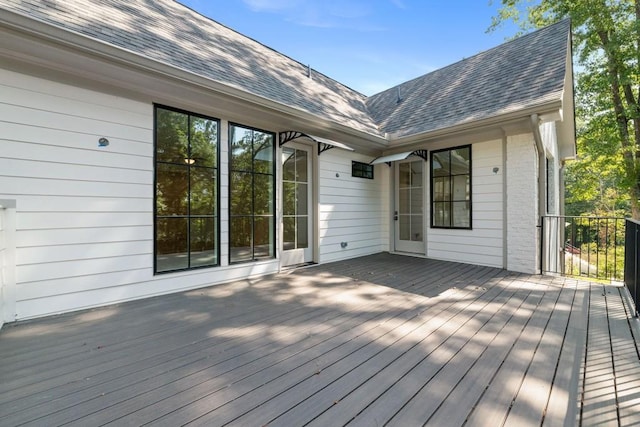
{"type": "Point", "coordinates": [379, 340]}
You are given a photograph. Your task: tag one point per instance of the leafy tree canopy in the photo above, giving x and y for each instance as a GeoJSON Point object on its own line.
{"type": "Point", "coordinates": [606, 41]}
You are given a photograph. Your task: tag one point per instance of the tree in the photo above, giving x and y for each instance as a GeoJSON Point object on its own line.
{"type": "Point", "coordinates": [606, 40]}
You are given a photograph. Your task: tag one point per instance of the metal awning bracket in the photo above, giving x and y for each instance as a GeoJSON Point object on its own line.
{"type": "Point", "coordinates": [324, 144]}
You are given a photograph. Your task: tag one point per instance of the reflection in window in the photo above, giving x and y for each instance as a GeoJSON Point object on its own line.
{"type": "Point", "coordinates": [251, 194]}
{"type": "Point", "coordinates": [186, 191]}
{"type": "Point", "coordinates": [451, 188]}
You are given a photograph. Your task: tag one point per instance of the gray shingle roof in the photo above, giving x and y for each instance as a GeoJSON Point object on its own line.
{"type": "Point", "coordinates": [518, 74]}
{"type": "Point", "coordinates": [522, 73]}
{"type": "Point", "coordinates": [167, 31]}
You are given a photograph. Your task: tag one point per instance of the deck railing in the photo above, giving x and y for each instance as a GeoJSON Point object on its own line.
{"type": "Point", "coordinates": [583, 246]}
{"type": "Point", "coordinates": [632, 260]}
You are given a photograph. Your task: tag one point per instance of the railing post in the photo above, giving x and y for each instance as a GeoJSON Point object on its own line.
{"type": "Point", "coordinates": [635, 275]}
{"type": "Point", "coordinates": [631, 261]}
{"type": "Point", "coordinates": [542, 244]}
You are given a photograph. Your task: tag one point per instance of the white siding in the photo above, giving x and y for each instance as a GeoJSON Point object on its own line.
{"type": "Point", "coordinates": [3, 250]}
{"type": "Point", "coordinates": [84, 219]}
{"type": "Point", "coordinates": [484, 243]}
{"type": "Point", "coordinates": [351, 210]}
{"type": "Point", "coordinates": [553, 238]}
{"type": "Point", "coordinates": [550, 141]}
{"type": "Point", "coordinates": [7, 260]}
{"type": "Point", "coordinates": [522, 204]}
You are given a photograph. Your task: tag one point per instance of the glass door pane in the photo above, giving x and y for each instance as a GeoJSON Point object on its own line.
{"type": "Point", "coordinates": [410, 206]}
{"type": "Point", "coordinates": [295, 202]}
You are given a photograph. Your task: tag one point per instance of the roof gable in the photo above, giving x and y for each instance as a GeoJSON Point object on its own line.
{"type": "Point", "coordinates": [522, 73]}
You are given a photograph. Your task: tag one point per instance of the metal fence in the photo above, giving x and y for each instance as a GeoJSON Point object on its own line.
{"type": "Point", "coordinates": [632, 260]}
{"type": "Point", "coordinates": [581, 246]}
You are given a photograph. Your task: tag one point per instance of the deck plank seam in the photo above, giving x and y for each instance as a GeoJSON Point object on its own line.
{"type": "Point", "coordinates": [409, 370]}
{"type": "Point", "coordinates": [497, 372]}
{"type": "Point", "coordinates": [469, 289]}
{"type": "Point", "coordinates": [429, 303]}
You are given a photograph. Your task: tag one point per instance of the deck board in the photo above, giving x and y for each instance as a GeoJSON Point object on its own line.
{"type": "Point", "coordinates": [392, 360]}
{"type": "Point", "coordinates": [625, 359]}
{"type": "Point", "coordinates": [599, 397]}
{"type": "Point", "coordinates": [421, 388]}
{"type": "Point", "coordinates": [382, 339]}
{"type": "Point", "coordinates": [535, 389]}
{"type": "Point", "coordinates": [562, 406]}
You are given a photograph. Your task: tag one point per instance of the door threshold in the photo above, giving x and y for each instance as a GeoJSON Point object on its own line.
{"type": "Point", "coordinates": [413, 254]}
{"type": "Point", "coordinates": [298, 266]}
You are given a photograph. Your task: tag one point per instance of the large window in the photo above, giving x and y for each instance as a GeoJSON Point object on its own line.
{"type": "Point", "coordinates": [251, 194]}
{"type": "Point", "coordinates": [451, 188]}
{"type": "Point", "coordinates": [186, 190]}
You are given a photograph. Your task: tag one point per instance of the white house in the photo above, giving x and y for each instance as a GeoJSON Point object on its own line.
{"type": "Point", "coordinates": [146, 149]}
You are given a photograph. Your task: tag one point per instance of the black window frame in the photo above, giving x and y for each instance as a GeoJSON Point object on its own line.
{"type": "Point", "coordinates": [273, 244]}
{"type": "Point", "coordinates": [188, 216]}
{"type": "Point", "coordinates": [451, 201]}
{"type": "Point", "coordinates": [361, 170]}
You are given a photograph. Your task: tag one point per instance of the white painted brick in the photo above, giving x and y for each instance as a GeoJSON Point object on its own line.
{"type": "Point", "coordinates": [522, 206]}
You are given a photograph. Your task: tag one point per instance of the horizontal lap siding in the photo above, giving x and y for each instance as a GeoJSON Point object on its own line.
{"type": "Point", "coordinates": [84, 217]}
{"type": "Point", "coordinates": [484, 243]}
{"type": "Point", "coordinates": [84, 213]}
{"type": "Point", "coordinates": [352, 210]}
{"type": "Point", "coordinates": [3, 249]}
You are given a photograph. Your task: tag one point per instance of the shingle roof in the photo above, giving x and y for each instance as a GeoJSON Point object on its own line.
{"type": "Point", "coordinates": [527, 71]}
{"type": "Point", "coordinates": [522, 73]}
{"type": "Point", "coordinates": [169, 32]}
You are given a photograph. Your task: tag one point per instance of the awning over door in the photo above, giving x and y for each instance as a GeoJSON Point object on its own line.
{"type": "Point", "coordinates": [391, 158]}
{"type": "Point", "coordinates": [400, 156]}
{"type": "Point", "coordinates": [324, 144]}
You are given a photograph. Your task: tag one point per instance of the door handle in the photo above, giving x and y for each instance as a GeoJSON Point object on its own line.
{"type": "Point", "coordinates": [395, 216]}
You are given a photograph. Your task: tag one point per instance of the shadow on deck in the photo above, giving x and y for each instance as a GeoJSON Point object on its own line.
{"type": "Point", "coordinates": [378, 340]}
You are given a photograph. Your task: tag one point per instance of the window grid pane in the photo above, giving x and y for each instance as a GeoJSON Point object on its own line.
{"type": "Point", "coordinates": [186, 192]}
{"type": "Point", "coordinates": [451, 188]}
{"type": "Point", "coordinates": [361, 170]}
{"type": "Point", "coordinates": [251, 193]}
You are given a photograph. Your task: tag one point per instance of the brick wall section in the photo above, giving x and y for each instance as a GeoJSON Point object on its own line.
{"type": "Point", "coordinates": [522, 207]}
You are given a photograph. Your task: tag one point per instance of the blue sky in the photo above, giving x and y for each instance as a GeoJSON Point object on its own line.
{"type": "Point", "coordinates": [369, 45]}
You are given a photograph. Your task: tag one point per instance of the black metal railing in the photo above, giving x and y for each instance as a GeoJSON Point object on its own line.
{"type": "Point", "coordinates": [632, 261]}
{"type": "Point", "coordinates": [581, 246]}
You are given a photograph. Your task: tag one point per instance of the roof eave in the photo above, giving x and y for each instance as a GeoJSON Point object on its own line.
{"type": "Point", "coordinates": [36, 29]}
{"type": "Point", "coordinates": [549, 111]}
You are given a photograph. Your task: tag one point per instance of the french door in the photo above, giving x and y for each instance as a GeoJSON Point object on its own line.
{"type": "Point", "coordinates": [297, 208]}
{"type": "Point", "coordinates": [409, 206]}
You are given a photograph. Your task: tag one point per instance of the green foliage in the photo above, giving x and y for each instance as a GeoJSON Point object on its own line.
{"type": "Point", "coordinates": [606, 41]}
